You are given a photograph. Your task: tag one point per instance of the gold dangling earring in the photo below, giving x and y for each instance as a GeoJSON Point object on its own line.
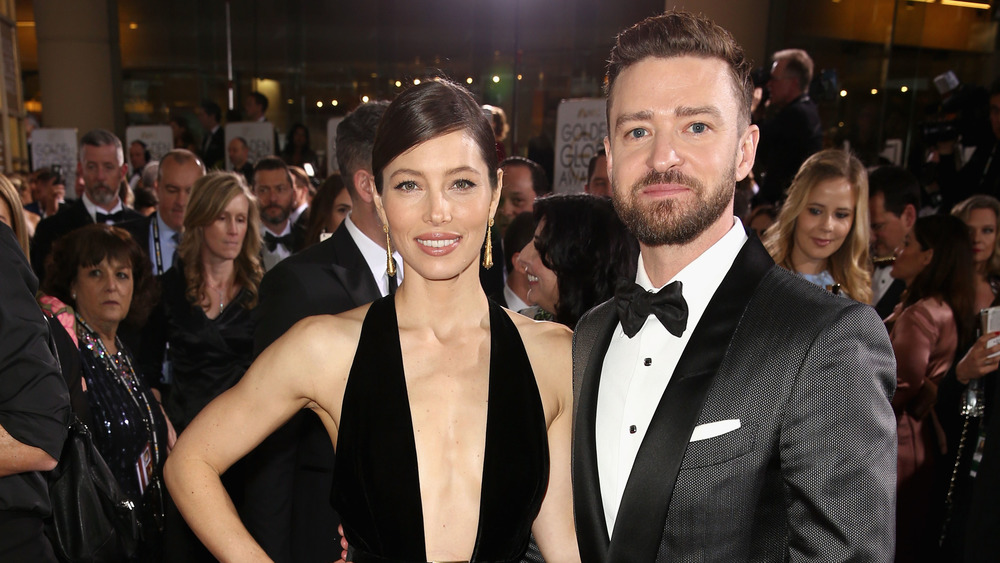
{"type": "Point", "coordinates": [488, 255]}
{"type": "Point", "coordinates": [390, 265]}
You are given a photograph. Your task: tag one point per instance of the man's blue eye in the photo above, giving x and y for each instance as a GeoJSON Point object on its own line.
{"type": "Point", "coordinates": [699, 128]}
{"type": "Point", "coordinates": [637, 133]}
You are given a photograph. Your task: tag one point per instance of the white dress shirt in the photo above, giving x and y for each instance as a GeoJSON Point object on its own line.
{"type": "Point", "coordinates": [270, 258]}
{"type": "Point", "coordinates": [167, 245]}
{"type": "Point", "coordinates": [297, 212]}
{"type": "Point", "coordinates": [92, 208]}
{"type": "Point", "coordinates": [636, 370]}
{"type": "Point", "coordinates": [375, 257]}
{"type": "Point", "coordinates": [514, 303]}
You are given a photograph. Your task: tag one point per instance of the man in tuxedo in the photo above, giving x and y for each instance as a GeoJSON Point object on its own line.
{"type": "Point", "coordinates": [101, 168]}
{"type": "Point", "coordinates": [288, 509]}
{"type": "Point", "coordinates": [159, 234]}
{"type": "Point", "coordinates": [739, 413]}
{"type": "Point", "coordinates": [893, 204]}
{"type": "Point", "coordinates": [272, 184]}
{"type": "Point", "coordinates": [213, 146]}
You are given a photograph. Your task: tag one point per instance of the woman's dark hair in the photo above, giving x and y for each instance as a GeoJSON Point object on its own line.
{"type": "Point", "coordinates": [322, 207]}
{"type": "Point", "coordinates": [950, 275]}
{"type": "Point", "coordinates": [89, 246]}
{"type": "Point", "coordinates": [587, 246]}
{"type": "Point", "coordinates": [290, 139]}
{"type": "Point", "coordinates": [426, 111]}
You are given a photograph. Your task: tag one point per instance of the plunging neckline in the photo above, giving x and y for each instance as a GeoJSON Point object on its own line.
{"type": "Point", "coordinates": [412, 439]}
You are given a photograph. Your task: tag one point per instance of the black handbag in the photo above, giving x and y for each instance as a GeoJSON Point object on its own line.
{"type": "Point", "coordinates": [92, 519]}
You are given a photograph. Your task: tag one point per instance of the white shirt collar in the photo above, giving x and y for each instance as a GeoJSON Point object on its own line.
{"type": "Point", "coordinates": [92, 208]}
{"type": "Point", "coordinates": [702, 277]}
{"type": "Point", "coordinates": [297, 212]}
{"type": "Point", "coordinates": [514, 303]}
{"type": "Point", "coordinates": [165, 231]}
{"type": "Point", "coordinates": [287, 230]}
{"type": "Point", "coordinates": [374, 255]}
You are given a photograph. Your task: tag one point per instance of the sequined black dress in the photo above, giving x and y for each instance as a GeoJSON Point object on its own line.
{"type": "Point", "coordinates": [129, 430]}
{"type": "Point", "coordinates": [376, 484]}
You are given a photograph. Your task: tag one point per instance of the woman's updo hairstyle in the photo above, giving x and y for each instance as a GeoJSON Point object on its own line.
{"type": "Point", "coordinates": [426, 111]}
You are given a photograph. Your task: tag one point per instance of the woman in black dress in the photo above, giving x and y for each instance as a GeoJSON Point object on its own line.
{"type": "Point", "coordinates": [102, 274]}
{"type": "Point", "coordinates": [451, 417]}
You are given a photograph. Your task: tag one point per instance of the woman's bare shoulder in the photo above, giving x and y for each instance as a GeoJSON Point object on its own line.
{"type": "Point", "coordinates": [550, 350]}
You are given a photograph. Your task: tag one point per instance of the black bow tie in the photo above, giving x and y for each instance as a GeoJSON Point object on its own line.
{"type": "Point", "coordinates": [272, 241]}
{"type": "Point", "coordinates": [635, 304]}
{"type": "Point", "coordinates": [109, 217]}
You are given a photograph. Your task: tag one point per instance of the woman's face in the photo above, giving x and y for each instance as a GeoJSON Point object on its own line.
{"type": "Point", "coordinates": [103, 292]}
{"type": "Point", "coordinates": [299, 137]}
{"type": "Point", "coordinates": [224, 237]}
{"type": "Point", "coordinates": [341, 207]}
{"type": "Point", "coordinates": [822, 226]}
{"type": "Point", "coordinates": [5, 215]}
{"type": "Point", "coordinates": [543, 286]}
{"type": "Point", "coordinates": [911, 259]}
{"type": "Point", "coordinates": [983, 228]}
{"type": "Point", "coordinates": [436, 199]}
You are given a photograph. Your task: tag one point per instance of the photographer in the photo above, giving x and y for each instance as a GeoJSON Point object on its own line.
{"type": "Point", "coordinates": [981, 174]}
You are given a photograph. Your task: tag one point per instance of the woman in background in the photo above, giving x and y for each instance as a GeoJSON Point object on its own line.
{"type": "Point", "coordinates": [981, 213]}
{"type": "Point", "coordinates": [934, 319]}
{"type": "Point", "coordinates": [102, 274]}
{"type": "Point", "coordinates": [329, 208]}
{"type": "Point", "coordinates": [580, 252]}
{"type": "Point", "coordinates": [12, 214]}
{"type": "Point", "coordinates": [822, 232]}
{"type": "Point", "coordinates": [297, 151]}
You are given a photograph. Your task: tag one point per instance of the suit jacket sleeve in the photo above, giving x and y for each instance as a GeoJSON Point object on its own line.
{"type": "Point", "coordinates": [279, 307]}
{"type": "Point", "coordinates": [838, 444]}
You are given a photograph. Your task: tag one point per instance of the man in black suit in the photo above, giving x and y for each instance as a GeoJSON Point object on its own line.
{"type": "Point", "coordinates": [102, 167]}
{"type": "Point", "coordinates": [272, 184]}
{"type": "Point", "coordinates": [51, 193]}
{"type": "Point", "coordinates": [288, 509]}
{"type": "Point", "coordinates": [738, 413]}
{"type": "Point", "coordinates": [159, 234]}
{"type": "Point", "coordinates": [213, 146]}
{"type": "Point", "coordinates": [794, 132]}
{"type": "Point", "coordinates": [893, 204]}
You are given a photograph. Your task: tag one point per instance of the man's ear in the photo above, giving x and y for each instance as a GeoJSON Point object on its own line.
{"type": "Point", "coordinates": [909, 216]}
{"type": "Point", "coordinates": [747, 152]}
{"type": "Point", "coordinates": [364, 184]}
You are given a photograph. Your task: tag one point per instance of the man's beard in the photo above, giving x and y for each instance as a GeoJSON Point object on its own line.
{"type": "Point", "coordinates": [668, 221]}
{"type": "Point", "coordinates": [102, 194]}
{"type": "Point", "coordinates": [275, 219]}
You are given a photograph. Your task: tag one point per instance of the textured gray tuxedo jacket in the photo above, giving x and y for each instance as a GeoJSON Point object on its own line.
{"type": "Point", "coordinates": [809, 475]}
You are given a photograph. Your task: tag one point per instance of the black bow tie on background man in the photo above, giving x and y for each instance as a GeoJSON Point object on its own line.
{"type": "Point", "coordinates": [109, 217]}
{"type": "Point", "coordinates": [272, 241]}
{"type": "Point", "coordinates": [635, 304]}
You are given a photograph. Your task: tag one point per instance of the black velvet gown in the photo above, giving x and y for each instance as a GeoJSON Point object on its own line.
{"type": "Point", "coordinates": [376, 484]}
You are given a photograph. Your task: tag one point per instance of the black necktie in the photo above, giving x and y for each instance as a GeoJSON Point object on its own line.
{"type": "Point", "coordinates": [635, 304]}
{"type": "Point", "coordinates": [109, 217]}
{"type": "Point", "coordinates": [176, 237]}
{"type": "Point", "coordinates": [272, 241]}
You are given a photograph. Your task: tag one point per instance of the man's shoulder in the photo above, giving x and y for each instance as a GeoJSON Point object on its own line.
{"type": "Point", "coordinates": [69, 217]}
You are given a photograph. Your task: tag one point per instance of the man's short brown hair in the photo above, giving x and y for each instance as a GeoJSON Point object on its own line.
{"type": "Point", "coordinates": [676, 34]}
{"type": "Point", "coordinates": [799, 64]}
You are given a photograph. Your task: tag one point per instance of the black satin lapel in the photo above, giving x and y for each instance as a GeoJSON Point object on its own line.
{"type": "Point", "coordinates": [591, 525]}
{"type": "Point", "coordinates": [643, 511]}
{"type": "Point", "coordinates": [351, 270]}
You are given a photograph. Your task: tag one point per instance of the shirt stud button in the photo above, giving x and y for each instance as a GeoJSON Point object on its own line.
{"type": "Point", "coordinates": [647, 362]}
{"type": "Point", "coordinates": [632, 429]}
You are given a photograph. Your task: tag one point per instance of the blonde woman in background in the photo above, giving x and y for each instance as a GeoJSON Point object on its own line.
{"type": "Point", "coordinates": [822, 231]}
{"type": "Point", "coordinates": [981, 213]}
{"type": "Point", "coordinates": [12, 214]}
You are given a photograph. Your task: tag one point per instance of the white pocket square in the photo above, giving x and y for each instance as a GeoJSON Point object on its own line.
{"type": "Point", "coordinates": [713, 429]}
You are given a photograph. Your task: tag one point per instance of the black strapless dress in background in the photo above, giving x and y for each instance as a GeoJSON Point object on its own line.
{"type": "Point", "coordinates": [376, 487]}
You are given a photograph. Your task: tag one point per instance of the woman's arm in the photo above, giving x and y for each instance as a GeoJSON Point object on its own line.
{"type": "Point", "coordinates": [282, 381]}
{"type": "Point", "coordinates": [913, 337]}
{"type": "Point", "coordinates": [554, 528]}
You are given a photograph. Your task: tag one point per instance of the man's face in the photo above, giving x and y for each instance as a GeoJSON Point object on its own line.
{"type": "Point", "coordinates": [137, 156]}
{"type": "Point", "coordinates": [252, 109]}
{"type": "Point", "coordinates": [173, 190]}
{"type": "Point", "coordinates": [676, 148]}
{"type": "Point", "coordinates": [50, 192]}
{"type": "Point", "coordinates": [995, 115]}
{"type": "Point", "coordinates": [782, 85]}
{"type": "Point", "coordinates": [599, 184]}
{"type": "Point", "coordinates": [275, 196]}
{"type": "Point", "coordinates": [518, 191]}
{"type": "Point", "coordinates": [888, 229]}
{"type": "Point", "coordinates": [205, 120]}
{"type": "Point", "coordinates": [238, 153]}
{"type": "Point", "coordinates": [101, 173]}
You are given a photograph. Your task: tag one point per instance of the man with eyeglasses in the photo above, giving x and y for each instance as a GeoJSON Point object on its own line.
{"type": "Point", "coordinates": [792, 131]}
{"type": "Point", "coordinates": [272, 184]}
